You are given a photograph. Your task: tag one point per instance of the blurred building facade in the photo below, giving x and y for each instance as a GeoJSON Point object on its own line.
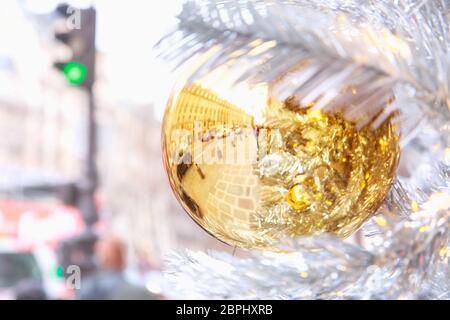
{"type": "Point", "coordinates": [135, 188]}
{"type": "Point", "coordinates": [45, 137]}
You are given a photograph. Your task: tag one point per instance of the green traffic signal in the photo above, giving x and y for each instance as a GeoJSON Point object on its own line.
{"type": "Point", "coordinates": [59, 272]}
{"type": "Point", "coordinates": [75, 72]}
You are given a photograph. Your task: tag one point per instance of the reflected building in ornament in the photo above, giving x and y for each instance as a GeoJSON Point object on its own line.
{"type": "Point", "coordinates": [196, 104]}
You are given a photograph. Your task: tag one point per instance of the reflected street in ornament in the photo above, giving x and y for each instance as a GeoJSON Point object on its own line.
{"type": "Point", "coordinates": [250, 177]}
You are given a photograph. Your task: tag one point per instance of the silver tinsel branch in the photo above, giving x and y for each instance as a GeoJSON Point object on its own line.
{"type": "Point", "coordinates": [388, 48]}
{"type": "Point", "coordinates": [406, 259]}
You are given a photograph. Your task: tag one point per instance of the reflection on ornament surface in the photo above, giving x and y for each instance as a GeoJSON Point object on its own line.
{"type": "Point", "coordinates": [250, 178]}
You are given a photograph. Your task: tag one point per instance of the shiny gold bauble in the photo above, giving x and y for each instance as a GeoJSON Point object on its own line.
{"type": "Point", "coordinates": [250, 175]}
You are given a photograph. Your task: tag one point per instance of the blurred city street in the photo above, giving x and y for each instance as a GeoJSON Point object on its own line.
{"type": "Point", "coordinates": [221, 157]}
{"type": "Point", "coordinates": [85, 204]}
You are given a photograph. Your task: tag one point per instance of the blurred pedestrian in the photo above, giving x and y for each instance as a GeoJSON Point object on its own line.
{"type": "Point", "coordinates": [110, 283]}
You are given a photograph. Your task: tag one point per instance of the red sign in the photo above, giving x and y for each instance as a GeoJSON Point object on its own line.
{"type": "Point", "coordinates": [29, 224]}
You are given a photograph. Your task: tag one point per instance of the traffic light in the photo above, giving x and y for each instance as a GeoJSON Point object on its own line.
{"type": "Point", "coordinates": [79, 37]}
{"type": "Point", "coordinates": [77, 32]}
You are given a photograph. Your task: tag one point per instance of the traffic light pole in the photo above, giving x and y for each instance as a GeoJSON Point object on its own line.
{"type": "Point", "coordinates": [89, 180]}
{"type": "Point", "coordinates": [80, 71]}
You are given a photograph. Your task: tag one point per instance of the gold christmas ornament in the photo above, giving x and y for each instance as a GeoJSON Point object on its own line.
{"type": "Point", "coordinates": [252, 171]}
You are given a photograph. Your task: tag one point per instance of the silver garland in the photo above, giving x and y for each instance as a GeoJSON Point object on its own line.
{"type": "Point", "coordinates": [391, 47]}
